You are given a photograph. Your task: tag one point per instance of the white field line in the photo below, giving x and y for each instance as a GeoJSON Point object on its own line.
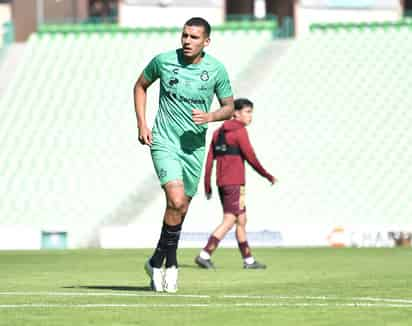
{"type": "Point", "coordinates": [212, 305]}
{"type": "Point", "coordinates": [307, 301]}
{"type": "Point", "coordinates": [325, 298]}
{"type": "Point", "coordinates": [197, 296]}
{"type": "Point", "coordinates": [103, 294]}
{"type": "Point", "coordinates": [383, 299]}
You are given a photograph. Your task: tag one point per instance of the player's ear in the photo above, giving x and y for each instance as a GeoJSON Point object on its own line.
{"type": "Point", "coordinates": [206, 41]}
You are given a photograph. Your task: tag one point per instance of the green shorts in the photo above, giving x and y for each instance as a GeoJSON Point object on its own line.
{"type": "Point", "coordinates": [172, 164]}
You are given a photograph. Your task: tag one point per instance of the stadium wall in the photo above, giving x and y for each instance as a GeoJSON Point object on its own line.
{"type": "Point", "coordinates": [134, 236]}
{"type": "Point", "coordinates": [132, 15]}
{"type": "Point", "coordinates": [306, 16]}
{"type": "Point", "coordinates": [336, 167]}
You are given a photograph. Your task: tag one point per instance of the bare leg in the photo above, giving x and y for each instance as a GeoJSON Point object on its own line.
{"type": "Point", "coordinates": [177, 204]}
{"type": "Point", "coordinates": [203, 259]}
{"type": "Point", "coordinates": [219, 233]}
{"type": "Point", "coordinates": [241, 228]}
{"type": "Point", "coordinates": [228, 222]}
{"type": "Point", "coordinates": [249, 260]}
{"type": "Point", "coordinates": [242, 237]}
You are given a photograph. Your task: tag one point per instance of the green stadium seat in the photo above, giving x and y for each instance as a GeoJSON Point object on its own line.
{"type": "Point", "coordinates": [70, 155]}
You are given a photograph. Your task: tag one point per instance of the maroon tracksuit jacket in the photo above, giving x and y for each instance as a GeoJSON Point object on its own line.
{"type": "Point", "coordinates": [231, 168]}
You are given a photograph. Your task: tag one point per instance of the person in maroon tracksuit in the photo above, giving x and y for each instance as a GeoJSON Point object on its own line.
{"type": "Point", "coordinates": [230, 147]}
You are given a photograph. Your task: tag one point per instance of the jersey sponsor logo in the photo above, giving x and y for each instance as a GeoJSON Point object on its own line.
{"type": "Point", "coordinates": [185, 99]}
{"type": "Point", "coordinates": [173, 81]}
{"type": "Point", "coordinates": [204, 75]}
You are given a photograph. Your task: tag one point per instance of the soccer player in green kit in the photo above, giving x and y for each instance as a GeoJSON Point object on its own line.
{"type": "Point", "coordinates": [189, 79]}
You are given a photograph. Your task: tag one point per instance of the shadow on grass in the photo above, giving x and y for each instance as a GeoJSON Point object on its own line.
{"type": "Point", "coordinates": [109, 287]}
{"type": "Point", "coordinates": [190, 266]}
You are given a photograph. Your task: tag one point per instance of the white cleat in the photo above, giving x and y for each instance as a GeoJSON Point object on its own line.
{"type": "Point", "coordinates": [170, 284]}
{"type": "Point", "coordinates": [156, 277]}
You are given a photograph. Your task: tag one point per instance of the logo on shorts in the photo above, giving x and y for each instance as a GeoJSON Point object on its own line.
{"type": "Point", "coordinates": [162, 173]}
{"type": "Point", "coordinates": [204, 76]}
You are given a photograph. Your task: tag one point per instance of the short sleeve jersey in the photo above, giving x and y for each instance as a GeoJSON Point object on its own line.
{"type": "Point", "coordinates": [184, 87]}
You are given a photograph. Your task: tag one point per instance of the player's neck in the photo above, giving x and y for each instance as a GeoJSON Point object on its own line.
{"type": "Point", "coordinates": [240, 121]}
{"type": "Point", "coordinates": [193, 60]}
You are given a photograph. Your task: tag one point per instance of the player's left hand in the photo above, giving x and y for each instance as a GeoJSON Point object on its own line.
{"type": "Point", "coordinates": [200, 117]}
{"type": "Point", "coordinates": [208, 191]}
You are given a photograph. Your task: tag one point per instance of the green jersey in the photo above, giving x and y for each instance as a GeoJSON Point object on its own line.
{"type": "Point", "coordinates": [184, 87]}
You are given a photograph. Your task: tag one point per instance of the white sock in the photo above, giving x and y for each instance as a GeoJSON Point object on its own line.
{"type": "Point", "coordinates": [204, 255]}
{"type": "Point", "coordinates": [249, 260]}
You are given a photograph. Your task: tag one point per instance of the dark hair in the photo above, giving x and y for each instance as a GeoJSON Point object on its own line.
{"type": "Point", "coordinates": [198, 21]}
{"type": "Point", "coordinates": [240, 103]}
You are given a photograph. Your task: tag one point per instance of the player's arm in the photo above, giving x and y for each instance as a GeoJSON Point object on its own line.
{"type": "Point", "coordinates": [146, 78]}
{"type": "Point", "coordinates": [140, 96]}
{"type": "Point", "coordinates": [224, 93]}
{"type": "Point", "coordinates": [226, 110]}
{"type": "Point", "coordinates": [208, 171]}
{"type": "Point", "coordinates": [249, 154]}
{"type": "Point", "coordinates": [224, 113]}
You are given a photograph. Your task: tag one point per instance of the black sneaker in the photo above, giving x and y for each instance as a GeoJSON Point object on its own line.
{"type": "Point", "coordinates": [204, 263]}
{"type": "Point", "coordinates": [255, 265]}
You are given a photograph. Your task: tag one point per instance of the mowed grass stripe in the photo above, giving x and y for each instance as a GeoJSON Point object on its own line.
{"type": "Point", "coordinates": [80, 299]}
{"type": "Point", "coordinates": [211, 305]}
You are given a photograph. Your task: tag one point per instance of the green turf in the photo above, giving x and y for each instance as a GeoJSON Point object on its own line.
{"type": "Point", "coordinates": [308, 287]}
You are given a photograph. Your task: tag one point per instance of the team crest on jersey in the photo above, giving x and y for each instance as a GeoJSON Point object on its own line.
{"type": "Point", "coordinates": [204, 76]}
{"type": "Point", "coordinates": [162, 173]}
{"type": "Point", "coordinates": [175, 71]}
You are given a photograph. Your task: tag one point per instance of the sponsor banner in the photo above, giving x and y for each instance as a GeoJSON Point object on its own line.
{"type": "Point", "coordinates": [136, 236]}
{"type": "Point", "coordinates": [263, 238]}
{"type": "Point", "coordinates": [369, 237]}
{"type": "Point", "coordinates": [133, 236]}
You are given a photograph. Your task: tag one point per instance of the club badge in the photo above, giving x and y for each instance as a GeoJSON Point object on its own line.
{"type": "Point", "coordinates": [204, 76]}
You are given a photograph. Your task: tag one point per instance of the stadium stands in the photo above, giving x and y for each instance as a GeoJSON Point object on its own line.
{"type": "Point", "coordinates": [331, 122]}
{"type": "Point", "coordinates": [336, 113]}
{"type": "Point", "coordinates": [70, 159]}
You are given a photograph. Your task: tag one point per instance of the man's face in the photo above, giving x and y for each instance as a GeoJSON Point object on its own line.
{"type": "Point", "coordinates": [193, 41]}
{"type": "Point", "coordinates": [244, 115]}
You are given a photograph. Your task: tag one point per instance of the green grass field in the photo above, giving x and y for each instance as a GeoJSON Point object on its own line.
{"type": "Point", "coordinates": [319, 286]}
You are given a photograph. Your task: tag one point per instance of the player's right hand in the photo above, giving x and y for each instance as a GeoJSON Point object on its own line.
{"type": "Point", "coordinates": [273, 180]}
{"type": "Point", "coordinates": [145, 136]}
{"type": "Point", "coordinates": [208, 191]}
{"type": "Point", "coordinates": [200, 117]}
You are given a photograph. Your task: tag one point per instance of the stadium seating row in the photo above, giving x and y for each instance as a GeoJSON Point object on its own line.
{"type": "Point", "coordinates": [70, 156]}
{"type": "Point", "coordinates": [245, 25]}
{"type": "Point", "coordinates": [331, 122]}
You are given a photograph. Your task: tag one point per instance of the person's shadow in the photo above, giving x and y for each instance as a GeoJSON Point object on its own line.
{"type": "Point", "coordinates": [109, 287]}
